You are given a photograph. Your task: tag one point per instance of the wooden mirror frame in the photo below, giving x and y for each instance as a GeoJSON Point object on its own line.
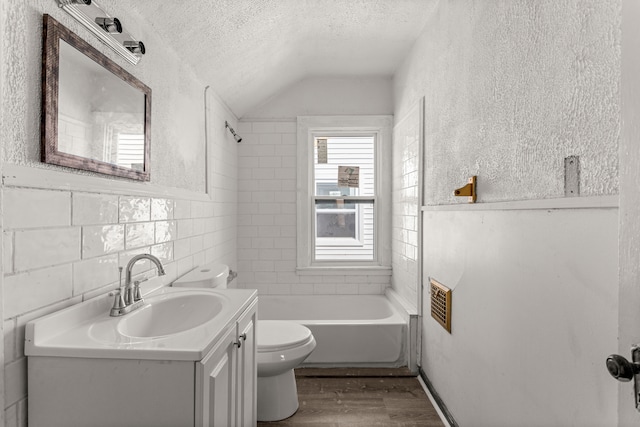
{"type": "Point", "coordinates": [53, 32]}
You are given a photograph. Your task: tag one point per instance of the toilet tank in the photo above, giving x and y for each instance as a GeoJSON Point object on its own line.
{"type": "Point", "coordinates": [213, 275]}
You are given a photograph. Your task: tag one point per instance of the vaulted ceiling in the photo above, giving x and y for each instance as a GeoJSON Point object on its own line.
{"type": "Point", "coordinates": [249, 50]}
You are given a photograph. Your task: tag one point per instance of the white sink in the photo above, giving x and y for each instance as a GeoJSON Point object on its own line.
{"type": "Point", "coordinates": [173, 324]}
{"type": "Point", "coordinates": [169, 314]}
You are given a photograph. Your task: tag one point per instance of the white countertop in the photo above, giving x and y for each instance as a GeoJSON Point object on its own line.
{"type": "Point", "coordinates": [87, 330]}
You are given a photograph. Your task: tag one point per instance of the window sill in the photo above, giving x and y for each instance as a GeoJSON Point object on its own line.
{"type": "Point", "coordinates": [368, 270]}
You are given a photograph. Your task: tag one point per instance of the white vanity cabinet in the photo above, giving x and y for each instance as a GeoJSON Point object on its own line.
{"type": "Point", "coordinates": [215, 389]}
{"type": "Point", "coordinates": [226, 379]}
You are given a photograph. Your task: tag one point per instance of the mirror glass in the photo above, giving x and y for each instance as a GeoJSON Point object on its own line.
{"type": "Point", "coordinates": [100, 116]}
{"type": "Point", "coordinates": [96, 114]}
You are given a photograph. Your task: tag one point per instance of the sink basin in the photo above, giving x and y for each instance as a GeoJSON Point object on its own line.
{"type": "Point", "coordinates": [171, 314]}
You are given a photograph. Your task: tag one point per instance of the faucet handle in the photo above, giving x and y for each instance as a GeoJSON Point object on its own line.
{"type": "Point", "coordinates": [137, 296]}
{"type": "Point", "coordinates": [118, 302]}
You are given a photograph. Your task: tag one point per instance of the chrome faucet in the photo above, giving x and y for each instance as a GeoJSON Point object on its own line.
{"type": "Point", "coordinates": [128, 297]}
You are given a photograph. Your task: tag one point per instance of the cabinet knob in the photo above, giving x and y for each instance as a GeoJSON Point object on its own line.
{"type": "Point", "coordinates": [242, 337]}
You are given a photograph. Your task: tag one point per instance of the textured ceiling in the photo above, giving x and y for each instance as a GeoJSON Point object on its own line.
{"type": "Point", "coordinates": [249, 50]}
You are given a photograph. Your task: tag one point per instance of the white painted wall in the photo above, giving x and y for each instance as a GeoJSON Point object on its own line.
{"type": "Point", "coordinates": [65, 233]}
{"type": "Point", "coordinates": [317, 96]}
{"type": "Point", "coordinates": [511, 88]}
{"type": "Point", "coordinates": [534, 315]}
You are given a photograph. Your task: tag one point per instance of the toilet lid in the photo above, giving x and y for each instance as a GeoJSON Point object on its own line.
{"type": "Point", "coordinates": [281, 334]}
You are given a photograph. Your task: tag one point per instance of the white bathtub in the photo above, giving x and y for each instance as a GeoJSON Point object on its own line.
{"type": "Point", "coordinates": [350, 330]}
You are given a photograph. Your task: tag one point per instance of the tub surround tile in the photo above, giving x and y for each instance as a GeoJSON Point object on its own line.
{"type": "Point", "coordinates": [370, 289]}
{"type": "Point", "coordinates": [347, 289]}
{"type": "Point", "coordinates": [29, 208]}
{"type": "Point", "coordinates": [40, 248]}
{"type": "Point", "coordinates": [302, 289]}
{"type": "Point", "coordinates": [102, 240]}
{"type": "Point", "coordinates": [89, 208]}
{"type": "Point", "coordinates": [324, 289]}
{"type": "Point", "coordinates": [285, 265]}
{"type": "Point", "coordinates": [134, 209]}
{"type": "Point", "coordinates": [263, 127]}
{"type": "Point", "coordinates": [28, 291]}
{"type": "Point", "coordinates": [287, 127]}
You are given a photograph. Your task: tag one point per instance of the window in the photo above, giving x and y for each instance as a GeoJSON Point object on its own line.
{"type": "Point", "coordinates": [343, 199]}
{"type": "Point", "coordinates": [130, 152]}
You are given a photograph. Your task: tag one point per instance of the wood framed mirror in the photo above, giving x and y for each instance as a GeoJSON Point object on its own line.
{"type": "Point", "coordinates": [95, 115]}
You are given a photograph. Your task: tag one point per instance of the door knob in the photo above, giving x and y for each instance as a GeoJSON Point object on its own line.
{"type": "Point", "coordinates": [621, 369]}
{"type": "Point", "coordinates": [625, 371]}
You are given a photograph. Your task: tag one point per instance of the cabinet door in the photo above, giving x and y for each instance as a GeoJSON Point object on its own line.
{"type": "Point", "coordinates": [247, 371]}
{"type": "Point", "coordinates": [216, 378]}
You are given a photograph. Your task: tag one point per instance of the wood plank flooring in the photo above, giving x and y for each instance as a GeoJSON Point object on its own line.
{"type": "Point", "coordinates": [360, 398]}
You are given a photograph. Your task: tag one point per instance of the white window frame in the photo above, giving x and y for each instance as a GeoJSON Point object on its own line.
{"type": "Point", "coordinates": [310, 127]}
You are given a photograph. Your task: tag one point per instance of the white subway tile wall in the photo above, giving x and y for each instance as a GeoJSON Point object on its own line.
{"type": "Point", "coordinates": [267, 180]}
{"type": "Point", "coordinates": [406, 205]}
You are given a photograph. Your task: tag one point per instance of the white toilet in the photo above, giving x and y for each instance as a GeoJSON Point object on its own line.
{"type": "Point", "coordinates": [282, 346]}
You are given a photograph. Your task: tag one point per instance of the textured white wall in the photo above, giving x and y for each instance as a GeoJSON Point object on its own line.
{"type": "Point", "coordinates": [316, 96]}
{"type": "Point", "coordinates": [177, 140]}
{"type": "Point", "coordinates": [511, 88]}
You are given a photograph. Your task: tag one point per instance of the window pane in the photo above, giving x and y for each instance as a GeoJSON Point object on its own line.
{"type": "Point", "coordinates": [357, 153]}
{"type": "Point", "coordinates": [336, 225]}
{"type": "Point", "coordinates": [344, 166]}
{"type": "Point", "coordinates": [345, 234]}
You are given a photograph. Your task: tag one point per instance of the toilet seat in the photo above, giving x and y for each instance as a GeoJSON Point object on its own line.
{"type": "Point", "coordinates": [280, 335]}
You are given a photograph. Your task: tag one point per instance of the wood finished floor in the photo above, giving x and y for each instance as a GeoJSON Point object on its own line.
{"type": "Point", "coordinates": [360, 398]}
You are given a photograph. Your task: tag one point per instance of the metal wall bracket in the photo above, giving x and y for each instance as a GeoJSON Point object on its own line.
{"type": "Point", "coordinates": [468, 190]}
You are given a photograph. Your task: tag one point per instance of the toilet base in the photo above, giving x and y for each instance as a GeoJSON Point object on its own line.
{"type": "Point", "coordinates": [277, 397]}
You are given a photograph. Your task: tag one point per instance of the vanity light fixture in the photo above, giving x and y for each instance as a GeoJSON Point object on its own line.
{"type": "Point", "coordinates": [107, 28]}
{"type": "Point", "coordinates": [110, 25]}
{"type": "Point", "coordinates": [134, 47]}
{"type": "Point", "coordinates": [237, 137]}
